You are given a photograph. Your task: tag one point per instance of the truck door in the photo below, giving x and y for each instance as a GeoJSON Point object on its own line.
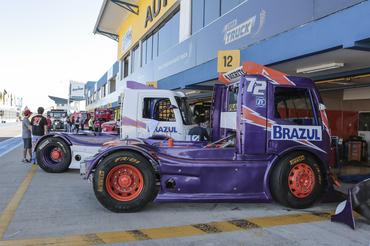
{"type": "Point", "coordinates": [293, 119]}
{"type": "Point", "coordinates": [253, 113]}
{"type": "Point", "coordinates": [159, 117]}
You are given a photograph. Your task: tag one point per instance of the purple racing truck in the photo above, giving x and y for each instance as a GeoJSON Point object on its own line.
{"type": "Point", "coordinates": [270, 142]}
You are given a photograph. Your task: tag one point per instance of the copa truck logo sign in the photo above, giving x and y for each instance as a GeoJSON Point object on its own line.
{"type": "Point", "coordinates": [294, 132]}
{"type": "Point", "coordinates": [252, 26]}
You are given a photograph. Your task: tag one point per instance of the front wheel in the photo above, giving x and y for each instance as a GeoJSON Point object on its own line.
{"type": "Point", "coordinates": [124, 182]}
{"type": "Point", "coordinates": [53, 155]}
{"type": "Point", "coordinates": [297, 180]}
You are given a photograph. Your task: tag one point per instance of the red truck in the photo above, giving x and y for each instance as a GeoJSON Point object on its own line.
{"type": "Point", "coordinates": [101, 116]}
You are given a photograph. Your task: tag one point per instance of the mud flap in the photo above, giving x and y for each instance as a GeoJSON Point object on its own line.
{"type": "Point", "coordinates": [358, 200]}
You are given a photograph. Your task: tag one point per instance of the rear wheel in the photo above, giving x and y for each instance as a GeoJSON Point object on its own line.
{"type": "Point", "coordinates": [53, 155]}
{"type": "Point", "coordinates": [297, 180]}
{"type": "Point", "coordinates": [124, 182]}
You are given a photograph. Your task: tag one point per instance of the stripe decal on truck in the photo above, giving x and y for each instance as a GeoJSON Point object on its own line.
{"type": "Point", "coordinates": [135, 123]}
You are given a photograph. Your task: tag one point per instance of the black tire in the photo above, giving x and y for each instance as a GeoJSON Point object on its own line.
{"type": "Point", "coordinates": [44, 159]}
{"type": "Point", "coordinates": [280, 182]}
{"type": "Point", "coordinates": [128, 158]}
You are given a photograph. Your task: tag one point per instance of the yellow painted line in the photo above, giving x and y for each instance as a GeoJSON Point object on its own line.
{"type": "Point", "coordinates": [114, 237]}
{"type": "Point", "coordinates": [281, 220]}
{"type": "Point", "coordinates": [172, 231]}
{"type": "Point", "coordinates": [9, 211]}
{"type": "Point", "coordinates": [225, 226]}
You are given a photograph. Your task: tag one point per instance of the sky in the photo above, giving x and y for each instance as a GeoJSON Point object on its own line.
{"type": "Point", "coordinates": [46, 43]}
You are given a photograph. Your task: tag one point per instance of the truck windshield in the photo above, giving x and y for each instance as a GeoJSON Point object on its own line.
{"type": "Point", "coordinates": [186, 114]}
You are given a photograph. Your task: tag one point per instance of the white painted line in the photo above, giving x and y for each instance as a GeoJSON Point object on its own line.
{"type": "Point", "coordinates": [10, 149]}
{"type": "Point", "coordinates": [9, 140]}
{"type": "Point", "coordinates": [10, 145]}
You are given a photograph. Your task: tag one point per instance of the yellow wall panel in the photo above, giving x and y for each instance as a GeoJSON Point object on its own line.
{"type": "Point", "coordinates": [136, 23]}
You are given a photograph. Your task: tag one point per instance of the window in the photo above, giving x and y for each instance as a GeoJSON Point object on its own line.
{"type": "Point", "coordinates": [155, 45]}
{"type": "Point", "coordinates": [135, 60]}
{"type": "Point", "coordinates": [211, 11]}
{"type": "Point", "coordinates": [161, 39]}
{"type": "Point", "coordinates": [364, 122]}
{"type": "Point", "coordinates": [112, 85]}
{"type": "Point", "coordinates": [294, 105]}
{"type": "Point", "coordinates": [125, 66]}
{"type": "Point", "coordinates": [186, 113]}
{"type": "Point", "coordinates": [98, 94]}
{"type": "Point", "coordinates": [143, 53]}
{"type": "Point", "coordinates": [227, 5]}
{"type": "Point", "coordinates": [204, 12]}
{"type": "Point", "coordinates": [197, 15]}
{"type": "Point", "coordinates": [158, 109]}
{"type": "Point", "coordinates": [149, 49]}
{"type": "Point", "coordinates": [103, 91]}
{"type": "Point", "coordinates": [232, 98]}
{"type": "Point", "coordinates": [168, 34]}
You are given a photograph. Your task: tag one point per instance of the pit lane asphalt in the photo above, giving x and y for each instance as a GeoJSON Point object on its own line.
{"type": "Point", "coordinates": [61, 209]}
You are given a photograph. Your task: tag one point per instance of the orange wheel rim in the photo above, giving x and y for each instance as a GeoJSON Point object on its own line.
{"type": "Point", "coordinates": [301, 180]}
{"type": "Point", "coordinates": [56, 154]}
{"type": "Point", "coordinates": [124, 182]}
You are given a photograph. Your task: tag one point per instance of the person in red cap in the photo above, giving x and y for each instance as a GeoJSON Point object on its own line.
{"type": "Point", "coordinates": [26, 135]}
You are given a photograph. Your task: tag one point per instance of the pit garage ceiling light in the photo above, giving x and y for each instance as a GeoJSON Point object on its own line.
{"type": "Point", "coordinates": [319, 68]}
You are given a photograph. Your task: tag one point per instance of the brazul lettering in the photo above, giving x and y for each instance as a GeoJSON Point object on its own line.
{"type": "Point", "coordinates": [154, 10]}
{"type": "Point", "coordinates": [166, 129]}
{"type": "Point", "coordinates": [296, 133]}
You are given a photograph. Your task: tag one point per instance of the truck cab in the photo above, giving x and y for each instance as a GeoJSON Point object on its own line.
{"type": "Point", "coordinates": [152, 113]}
{"type": "Point", "coordinates": [146, 113]}
{"type": "Point", "coordinates": [58, 118]}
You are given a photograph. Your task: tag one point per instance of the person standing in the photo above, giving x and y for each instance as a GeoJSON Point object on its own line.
{"type": "Point", "coordinates": [82, 122]}
{"type": "Point", "coordinates": [48, 120]}
{"type": "Point", "coordinates": [39, 127]}
{"type": "Point", "coordinates": [26, 136]}
{"type": "Point", "coordinates": [199, 133]}
{"type": "Point", "coordinates": [77, 124]}
{"type": "Point", "coordinates": [72, 123]}
{"type": "Point", "coordinates": [91, 123]}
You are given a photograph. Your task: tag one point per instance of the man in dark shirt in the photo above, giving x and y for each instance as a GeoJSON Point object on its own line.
{"type": "Point", "coordinates": [39, 127]}
{"type": "Point", "coordinates": [198, 133]}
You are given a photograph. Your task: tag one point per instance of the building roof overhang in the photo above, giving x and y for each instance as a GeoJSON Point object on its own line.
{"type": "Point", "coordinates": [112, 14]}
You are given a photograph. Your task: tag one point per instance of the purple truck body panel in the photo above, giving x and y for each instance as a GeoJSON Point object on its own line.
{"type": "Point", "coordinates": [84, 138]}
{"type": "Point", "coordinates": [239, 173]}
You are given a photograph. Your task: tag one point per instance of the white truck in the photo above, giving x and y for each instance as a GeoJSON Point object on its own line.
{"type": "Point", "coordinates": [145, 113]}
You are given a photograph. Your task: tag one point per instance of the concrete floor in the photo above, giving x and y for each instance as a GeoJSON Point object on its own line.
{"type": "Point", "coordinates": [60, 209]}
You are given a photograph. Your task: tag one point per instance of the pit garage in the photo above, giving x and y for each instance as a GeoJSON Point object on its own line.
{"type": "Point", "coordinates": [343, 78]}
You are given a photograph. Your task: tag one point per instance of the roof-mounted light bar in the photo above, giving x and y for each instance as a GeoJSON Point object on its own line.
{"type": "Point", "coordinates": [133, 8]}
{"type": "Point", "coordinates": [321, 67]}
{"type": "Point", "coordinates": [252, 68]}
